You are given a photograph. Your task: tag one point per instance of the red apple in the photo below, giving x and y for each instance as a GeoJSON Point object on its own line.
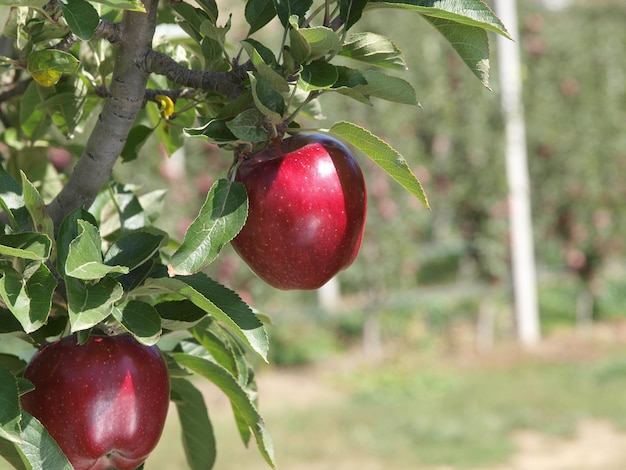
{"type": "Point", "coordinates": [103, 402]}
{"type": "Point", "coordinates": [307, 204]}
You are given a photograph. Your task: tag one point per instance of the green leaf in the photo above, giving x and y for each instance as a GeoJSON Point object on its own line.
{"type": "Point", "coordinates": [10, 413]}
{"type": "Point", "coordinates": [68, 231]}
{"type": "Point", "coordinates": [26, 245]}
{"type": "Point", "coordinates": [119, 208]}
{"type": "Point", "coordinates": [84, 258]}
{"type": "Point", "coordinates": [133, 5]}
{"type": "Point", "coordinates": [387, 88]}
{"type": "Point", "coordinates": [137, 136]}
{"type": "Point", "coordinates": [347, 82]}
{"type": "Point", "coordinates": [14, 364]}
{"type": "Point", "coordinates": [28, 298]}
{"type": "Point", "coordinates": [210, 8]}
{"type": "Point", "coordinates": [470, 42]}
{"type": "Point", "coordinates": [258, 13]}
{"type": "Point", "coordinates": [308, 44]}
{"type": "Point", "coordinates": [10, 190]}
{"type": "Point", "coordinates": [36, 208]}
{"type": "Point", "coordinates": [198, 437]}
{"type": "Point", "coordinates": [318, 75]}
{"type": "Point", "coordinates": [221, 303]}
{"type": "Point", "coordinates": [220, 219]}
{"type": "Point", "coordinates": [134, 248]}
{"type": "Point", "coordinates": [47, 66]}
{"type": "Point", "coordinates": [350, 11]}
{"type": "Point", "coordinates": [468, 12]}
{"type": "Point", "coordinates": [89, 304]}
{"type": "Point", "coordinates": [248, 126]}
{"type": "Point", "coordinates": [81, 17]}
{"type": "Point", "coordinates": [259, 56]}
{"type": "Point", "coordinates": [215, 130]}
{"type": "Point", "coordinates": [268, 101]}
{"type": "Point", "coordinates": [37, 450]}
{"type": "Point", "coordinates": [179, 314]}
{"type": "Point", "coordinates": [464, 23]}
{"type": "Point", "coordinates": [287, 8]}
{"type": "Point", "coordinates": [374, 49]}
{"type": "Point", "coordinates": [141, 320]}
{"type": "Point", "coordinates": [238, 397]}
{"type": "Point", "coordinates": [218, 347]}
{"type": "Point", "coordinates": [382, 154]}
{"type": "Point", "coordinates": [25, 3]}
{"type": "Point", "coordinates": [213, 45]}
{"type": "Point", "coordinates": [8, 322]}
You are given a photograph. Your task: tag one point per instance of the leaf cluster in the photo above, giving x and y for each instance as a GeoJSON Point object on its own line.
{"type": "Point", "coordinates": [114, 265]}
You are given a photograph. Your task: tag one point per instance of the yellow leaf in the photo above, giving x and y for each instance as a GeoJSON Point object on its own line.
{"type": "Point", "coordinates": [46, 77]}
{"type": "Point", "coordinates": [166, 104]}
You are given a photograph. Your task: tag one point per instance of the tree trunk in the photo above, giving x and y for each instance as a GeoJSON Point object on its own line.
{"type": "Point", "coordinates": [125, 99]}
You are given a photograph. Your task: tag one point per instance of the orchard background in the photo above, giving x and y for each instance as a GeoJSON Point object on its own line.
{"type": "Point", "coordinates": [415, 359]}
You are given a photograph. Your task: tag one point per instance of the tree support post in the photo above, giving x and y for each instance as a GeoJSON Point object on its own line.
{"type": "Point", "coordinates": [522, 246]}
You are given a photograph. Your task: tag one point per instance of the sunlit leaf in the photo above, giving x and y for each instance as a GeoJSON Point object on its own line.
{"type": "Point", "coordinates": [373, 49]}
{"type": "Point", "coordinates": [133, 5]}
{"type": "Point", "coordinates": [36, 446]}
{"type": "Point", "coordinates": [68, 231]}
{"type": "Point", "coordinates": [26, 245]}
{"type": "Point", "coordinates": [468, 12]}
{"type": "Point", "coordinates": [464, 23]}
{"type": "Point", "coordinates": [382, 154]}
{"type": "Point", "coordinates": [387, 88]}
{"type": "Point", "coordinates": [84, 259]}
{"type": "Point", "coordinates": [89, 303]}
{"type": "Point", "coordinates": [37, 208]}
{"type": "Point", "coordinates": [220, 219]}
{"type": "Point", "coordinates": [313, 43]}
{"type": "Point", "coordinates": [28, 298]}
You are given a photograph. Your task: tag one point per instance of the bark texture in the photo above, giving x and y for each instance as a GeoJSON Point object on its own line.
{"type": "Point", "coordinates": [126, 95]}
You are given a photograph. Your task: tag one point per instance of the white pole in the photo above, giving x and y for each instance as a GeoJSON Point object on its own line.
{"type": "Point", "coordinates": [522, 248]}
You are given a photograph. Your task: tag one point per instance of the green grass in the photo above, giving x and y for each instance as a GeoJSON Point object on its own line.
{"type": "Point", "coordinates": [411, 413]}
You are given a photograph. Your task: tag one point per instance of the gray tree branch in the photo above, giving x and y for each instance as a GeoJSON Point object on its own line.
{"type": "Point", "coordinates": [229, 84]}
{"type": "Point", "coordinates": [126, 96]}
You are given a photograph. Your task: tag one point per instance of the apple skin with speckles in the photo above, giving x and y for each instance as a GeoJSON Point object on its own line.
{"type": "Point", "coordinates": [104, 402]}
{"type": "Point", "coordinates": [307, 208]}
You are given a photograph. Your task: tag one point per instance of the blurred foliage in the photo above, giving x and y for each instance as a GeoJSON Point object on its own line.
{"type": "Point", "coordinates": [419, 411]}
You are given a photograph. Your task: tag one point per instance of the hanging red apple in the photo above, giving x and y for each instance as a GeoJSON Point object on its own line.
{"type": "Point", "coordinates": [307, 206]}
{"type": "Point", "coordinates": [104, 402]}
